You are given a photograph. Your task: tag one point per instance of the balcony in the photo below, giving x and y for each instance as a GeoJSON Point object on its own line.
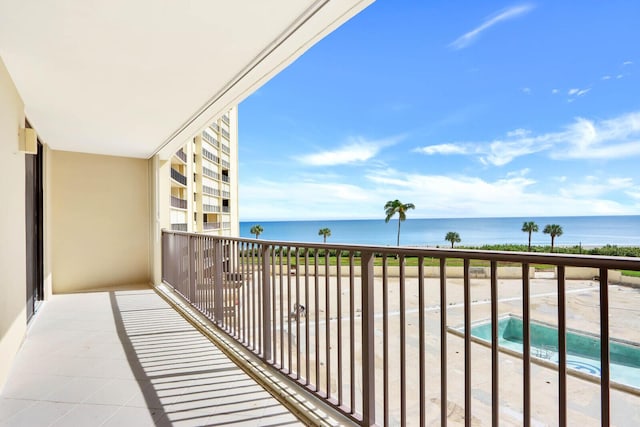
{"type": "Point", "coordinates": [210, 208]}
{"type": "Point", "coordinates": [210, 139]}
{"type": "Point", "coordinates": [181, 155]}
{"type": "Point", "coordinates": [178, 177]}
{"type": "Point", "coordinates": [211, 174]}
{"type": "Point", "coordinates": [126, 357]}
{"type": "Point", "coordinates": [210, 156]}
{"type": "Point", "coordinates": [225, 164]}
{"type": "Point", "coordinates": [210, 191]}
{"type": "Point", "coordinates": [179, 203]}
{"type": "Point", "coordinates": [211, 225]}
{"type": "Point", "coordinates": [179, 227]}
{"type": "Point", "coordinates": [388, 336]}
{"type": "Point", "coordinates": [225, 178]}
{"type": "Point", "coordinates": [224, 133]}
{"type": "Point", "coordinates": [225, 209]}
{"type": "Point", "coordinates": [225, 119]}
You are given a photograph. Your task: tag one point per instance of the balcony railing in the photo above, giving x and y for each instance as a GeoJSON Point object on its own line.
{"type": "Point", "coordinates": [225, 119]}
{"type": "Point", "coordinates": [210, 173]}
{"type": "Point", "coordinates": [210, 208]}
{"type": "Point", "coordinates": [383, 342]}
{"type": "Point", "coordinates": [225, 178]}
{"type": "Point", "coordinates": [225, 209]}
{"type": "Point", "coordinates": [209, 155]}
{"type": "Point", "coordinates": [211, 225]}
{"type": "Point", "coordinates": [179, 227]}
{"type": "Point", "coordinates": [226, 194]}
{"type": "Point", "coordinates": [182, 155]}
{"type": "Point", "coordinates": [210, 190]}
{"type": "Point", "coordinates": [210, 139]}
{"type": "Point", "coordinates": [177, 202]}
{"type": "Point", "coordinates": [226, 149]}
{"type": "Point", "coordinates": [215, 127]}
{"type": "Point", "coordinates": [178, 177]}
{"type": "Point", "coordinates": [225, 164]}
{"type": "Point", "coordinates": [224, 133]}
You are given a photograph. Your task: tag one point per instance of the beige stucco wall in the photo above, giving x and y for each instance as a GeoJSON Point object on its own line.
{"type": "Point", "coordinates": [99, 221]}
{"type": "Point", "coordinates": [13, 320]}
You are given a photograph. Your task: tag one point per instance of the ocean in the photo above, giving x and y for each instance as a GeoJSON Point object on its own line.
{"type": "Point", "coordinates": [585, 230]}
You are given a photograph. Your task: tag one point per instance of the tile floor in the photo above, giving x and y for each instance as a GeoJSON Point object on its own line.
{"type": "Point", "coordinates": [126, 358]}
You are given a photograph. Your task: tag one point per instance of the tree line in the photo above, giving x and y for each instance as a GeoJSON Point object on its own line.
{"type": "Point", "coordinates": [396, 207]}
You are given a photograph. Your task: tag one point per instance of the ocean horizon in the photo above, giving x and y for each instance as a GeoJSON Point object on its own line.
{"type": "Point", "coordinates": [588, 231]}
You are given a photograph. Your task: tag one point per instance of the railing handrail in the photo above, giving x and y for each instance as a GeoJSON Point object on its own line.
{"type": "Point", "coordinates": [572, 260]}
{"type": "Point", "coordinates": [252, 289]}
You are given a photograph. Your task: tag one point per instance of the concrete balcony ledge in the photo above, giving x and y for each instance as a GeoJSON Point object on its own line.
{"type": "Point", "coordinates": [126, 357]}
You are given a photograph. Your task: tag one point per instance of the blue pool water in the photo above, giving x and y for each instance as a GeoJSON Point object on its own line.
{"type": "Point", "coordinates": [583, 351]}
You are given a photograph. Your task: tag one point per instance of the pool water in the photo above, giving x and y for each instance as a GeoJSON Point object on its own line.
{"type": "Point", "coordinates": [583, 350]}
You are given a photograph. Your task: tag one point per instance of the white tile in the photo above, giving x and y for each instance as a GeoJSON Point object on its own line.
{"type": "Point", "coordinates": [130, 416]}
{"type": "Point", "coordinates": [76, 390]}
{"type": "Point", "coordinates": [10, 407]}
{"type": "Point", "coordinates": [116, 392]}
{"type": "Point", "coordinates": [39, 414]}
{"type": "Point", "coordinates": [84, 415]}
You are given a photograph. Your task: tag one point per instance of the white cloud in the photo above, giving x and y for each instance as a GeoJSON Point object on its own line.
{"type": "Point", "coordinates": [504, 15]}
{"type": "Point", "coordinates": [526, 90]}
{"type": "Point", "coordinates": [607, 139]}
{"type": "Point", "coordinates": [578, 92]}
{"type": "Point", "coordinates": [293, 198]}
{"type": "Point", "coordinates": [554, 91]}
{"type": "Point", "coordinates": [358, 150]}
{"type": "Point", "coordinates": [619, 76]}
{"type": "Point", "coordinates": [607, 77]}
{"type": "Point", "coordinates": [627, 63]}
{"type": "Point", "coordinates": [466, 196]}
{"type": "Point", "coordinates": [583, 139]}
{"type": "Point", "coordinates": [442, 149]}
{"type": "Point", "coordinates": [594, 187]}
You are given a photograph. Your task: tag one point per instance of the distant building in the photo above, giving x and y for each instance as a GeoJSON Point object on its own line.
{"type": "Point", "coordinates": [204, 180]}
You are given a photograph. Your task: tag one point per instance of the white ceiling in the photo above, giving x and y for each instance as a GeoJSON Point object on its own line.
{"type": "Point", "coordinates": [139, 77]}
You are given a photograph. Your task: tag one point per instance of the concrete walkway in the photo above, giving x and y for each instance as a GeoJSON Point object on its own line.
{"type": "Point", "coordinates": [126, 358]}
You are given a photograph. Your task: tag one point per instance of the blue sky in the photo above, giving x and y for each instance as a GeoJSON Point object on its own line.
{"type": "Point", "coordinates": [464, 108]}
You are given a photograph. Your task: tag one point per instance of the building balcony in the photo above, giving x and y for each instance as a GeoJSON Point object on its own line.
{"type": "Point", "coordinates": [225, 133]}
{"type": "Point", "coordinates": [178, 177]}
{"type": "Point", "coordinates": [391, 333]}
{"type": "Point", "coordinates": [210, 191]}
{"type": "Point", "coordinates": [225, 178]}
{"type": "Point", "coordinates": [211, 174]}
{"type": "Point", "coordinates": [225, 164]}
{"type": "Point", "coordinates": [226, 149]}
{"type": "Point", "coordinates": [182, 155]}
{"type": "Point", "coordinates": [211, 225]}
{"type": "Point", "coordinates": [210, 208]}
{"type": "Point", "coordinates": [179, 227]}
{"type": "Point", "coordinates": [225, 119]}
{"type": "Point", "coordinates": [225, 209]}
{"type": "Point", "coordinates": [179, 203]}
{"type": "Point", "coordinates": [210, 156]}
{"type": "Point", "coordinates": [126, 357]}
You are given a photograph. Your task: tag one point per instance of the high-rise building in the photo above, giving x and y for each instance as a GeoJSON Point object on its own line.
{"type": "Point", "coordinates": [204, 180]}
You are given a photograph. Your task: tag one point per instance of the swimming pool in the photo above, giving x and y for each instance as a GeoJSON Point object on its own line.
{"type": "Point", "coordinates": [583, 350]}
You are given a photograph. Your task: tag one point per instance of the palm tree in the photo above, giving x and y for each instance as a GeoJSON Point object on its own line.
{"type": "Point", "coordinates": [530, 227]}
{"type": "Point", "coordinates": [324, 232]}
{"type": "Point", "coordinates": [396, 206]}
{"type": "Point", "coordinates": [554, 230]}
{"type": "Point", "coordinates": [452, 237]}
{"type": "Point", "coordinates": [257, 230]}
